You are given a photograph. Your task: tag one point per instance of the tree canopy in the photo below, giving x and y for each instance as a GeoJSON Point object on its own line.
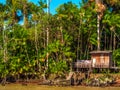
{"type": "Point", "coordinates": [72, 35]}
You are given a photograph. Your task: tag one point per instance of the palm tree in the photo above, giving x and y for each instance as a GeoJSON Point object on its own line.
{"type": "Point", "coordinates": [100, 8]}
{"type": "Point", "coordinates": [25, 8]}
{"type": "Point", "coordinates": [4, 41]}
{"type": "Point", "coordinates": [13, 6]}
{"type": "Point", "coordinates": [47, 32]}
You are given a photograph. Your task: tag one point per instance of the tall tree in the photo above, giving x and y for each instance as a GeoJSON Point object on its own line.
{"type": "Point", "coordinates": [12, 7]}
{"type": "Point", "coordinates": [100, 8]}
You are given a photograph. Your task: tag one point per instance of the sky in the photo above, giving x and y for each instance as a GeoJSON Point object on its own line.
{"type": "Point", "coordinates": [53, 4]}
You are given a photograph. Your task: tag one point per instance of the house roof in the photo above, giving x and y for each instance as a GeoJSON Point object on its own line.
{"type": "Point", "coordinates": [92, 52]}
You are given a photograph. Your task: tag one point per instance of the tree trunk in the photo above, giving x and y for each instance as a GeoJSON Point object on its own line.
{"type": "Point", "coordinates": [47, 32]}
{"type": "Point", "coordinates": [105, 47]}
{"type": "Point", "coordinates": [5, 52]}
{"type": "Point", "coordinates": [98, 32]}
{"type": "Point", "coordinates": [111, 41]}
{"type": "Point", "coordinates": [25, 16]}
{"type": "Point", "coordinates": [114, 43]}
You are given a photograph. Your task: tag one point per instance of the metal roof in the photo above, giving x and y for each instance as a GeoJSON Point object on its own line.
{"type": "Point", "coordinates": [92, 52]}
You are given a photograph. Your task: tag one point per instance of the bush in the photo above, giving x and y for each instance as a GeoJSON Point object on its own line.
{"type": "Point", "coordinates": [116, 57]}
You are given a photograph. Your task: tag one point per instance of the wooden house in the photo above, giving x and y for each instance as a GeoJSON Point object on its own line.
{"type": "Point", "coordinates": [101, 59]}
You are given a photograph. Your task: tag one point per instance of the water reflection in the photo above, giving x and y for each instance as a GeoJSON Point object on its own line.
{"type": "Point", "coordinates": [38, 87]}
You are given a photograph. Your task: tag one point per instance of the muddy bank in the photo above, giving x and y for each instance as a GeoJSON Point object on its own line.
{"type": "Point", "coordinates": [95, 80]}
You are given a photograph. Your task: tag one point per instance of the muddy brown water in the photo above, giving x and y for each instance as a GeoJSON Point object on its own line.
{"type": "Point", "coordinates": [39, 87]}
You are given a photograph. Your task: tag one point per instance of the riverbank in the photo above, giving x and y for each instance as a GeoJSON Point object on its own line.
{"type": "Point", "coordinates": [104, 80]}
{"type": "Point", "coordinates": [67, 83]}
{"type": "Point", "coordinates": [117, 83]}
{"type": "Point", "coordinates": [40, 83]}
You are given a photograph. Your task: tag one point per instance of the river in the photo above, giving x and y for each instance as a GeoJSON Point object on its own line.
{"type": "Point", "coordinates": [38, 87]}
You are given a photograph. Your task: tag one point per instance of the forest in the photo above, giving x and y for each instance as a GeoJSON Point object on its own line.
{"type": "Point", "coordinates": [39, 43]}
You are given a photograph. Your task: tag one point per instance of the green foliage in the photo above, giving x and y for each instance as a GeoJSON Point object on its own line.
{"type": "Point", "coordinates": [58, 67]}
{"type": "Point", "coordinates": [116, 56]}
{"type": "Point", "coordinates": [72, 34]}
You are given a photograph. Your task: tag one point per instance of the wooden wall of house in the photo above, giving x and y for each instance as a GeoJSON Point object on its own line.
{"type": "Point", "coordinates": [102, 60]}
